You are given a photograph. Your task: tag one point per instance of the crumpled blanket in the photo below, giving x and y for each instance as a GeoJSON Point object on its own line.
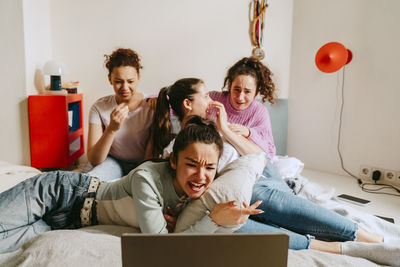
{"type": "Point", "coordinates": [290, 169]}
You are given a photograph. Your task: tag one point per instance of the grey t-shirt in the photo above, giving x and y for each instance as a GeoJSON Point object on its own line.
{"type": "Point", "coordinates": [140, 199]}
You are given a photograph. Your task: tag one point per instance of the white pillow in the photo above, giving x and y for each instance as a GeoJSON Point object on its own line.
{"type": "Point", "coordinates": [235, 182]}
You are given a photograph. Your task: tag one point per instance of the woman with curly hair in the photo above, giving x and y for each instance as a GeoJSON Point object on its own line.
{"type": "Point", "coordinates": [245, 80]}
{"type": "Point", "coordinates": [283, 211]}
{"type": "Point", "coordinates": [119, 124]}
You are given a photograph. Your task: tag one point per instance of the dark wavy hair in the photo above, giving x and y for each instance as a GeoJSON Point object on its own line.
{"type": "Point", "coordinates": [170, 96]}
{"type": "Point", "coordinates": [257, 70]}
{"type": "Point", "coordinates": [197, 129]}
{"type": "Point", "coordinates": [122, 57]}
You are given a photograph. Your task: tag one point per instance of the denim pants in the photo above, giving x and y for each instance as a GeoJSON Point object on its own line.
{"type": "Point", "coordinates": [111, 169]}
{"type": "Point", "coordinates": [296, 216]}
{"type": "Point", "coordinates": [45, 202]}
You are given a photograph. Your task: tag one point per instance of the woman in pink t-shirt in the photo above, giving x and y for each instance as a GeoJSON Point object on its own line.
{"type": "Point", "coordinates": [119, 124]}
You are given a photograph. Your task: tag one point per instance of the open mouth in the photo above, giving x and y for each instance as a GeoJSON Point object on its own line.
{"type": "Point", "coordinates": [240, 103]}
{"type": "Point", "coordinates": [196, 187]}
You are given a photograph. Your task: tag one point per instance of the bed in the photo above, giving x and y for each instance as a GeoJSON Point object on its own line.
{"type": "Point", "coordinates": [100, 245]}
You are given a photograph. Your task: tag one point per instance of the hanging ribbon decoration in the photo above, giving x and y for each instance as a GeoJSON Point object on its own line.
{"type": "Point", "coordinates": [258, 8]}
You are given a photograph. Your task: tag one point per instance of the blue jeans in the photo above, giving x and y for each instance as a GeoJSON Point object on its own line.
{"type": "Point", "coordinates": [296, 216]}
{"type": "Point", "coordinates": [111, 169]}
{"type": "Point", "coordinates": [42, 203]}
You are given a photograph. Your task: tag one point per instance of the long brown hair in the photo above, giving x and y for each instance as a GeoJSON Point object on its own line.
{"type": "Point", "coordinates": [170, 97]}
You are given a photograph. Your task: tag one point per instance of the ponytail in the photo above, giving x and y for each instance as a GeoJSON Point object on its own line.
{"type": "Point", "coordinates": [170, 97]}
{"type": "Point", "coordinates": [161, 127]}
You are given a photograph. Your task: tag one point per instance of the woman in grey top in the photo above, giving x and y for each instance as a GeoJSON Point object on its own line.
{"type": "Point", "coordinates": [70, 200]}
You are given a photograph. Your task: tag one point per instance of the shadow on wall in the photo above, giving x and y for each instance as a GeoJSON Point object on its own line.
{"type": "Point", "coordinates": [25, 151]}
{"type": "Point", "coordinates": [278, 113]}
{"type": "Point", "coordinates": [39, 81]}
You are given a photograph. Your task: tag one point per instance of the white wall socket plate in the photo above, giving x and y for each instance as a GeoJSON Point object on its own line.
{"type": "Point", "coordinates": [387, 176]}
{"type": "Point", "coordinates": [390, 175]}
{"type": "Point", "coordinates": [365, 172]}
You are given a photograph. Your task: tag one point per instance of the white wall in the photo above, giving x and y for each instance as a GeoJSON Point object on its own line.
{"type": "Point", "coordinates": [175, 38]}
{"type": "Point", "coordinates": [178, 38]}
{"type": "Point", "coordinates": [37, 43]}
{"type": "Point", "coordinates": [14, 135]}
{"type": "Point", "coordinates": [371, 128]}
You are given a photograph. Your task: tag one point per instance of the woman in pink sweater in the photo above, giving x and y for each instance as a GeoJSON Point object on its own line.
{"type": "Point", "coordinates": [284, 211]}
{"type": "Point", "coordinates": [247, 79]}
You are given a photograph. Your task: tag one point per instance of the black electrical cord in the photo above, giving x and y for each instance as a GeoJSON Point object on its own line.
{"type": "Point", "coordinates": [359, 181]}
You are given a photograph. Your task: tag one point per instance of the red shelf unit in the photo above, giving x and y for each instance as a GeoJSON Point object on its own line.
{"type": "Point", "coordinates": [54, 141]}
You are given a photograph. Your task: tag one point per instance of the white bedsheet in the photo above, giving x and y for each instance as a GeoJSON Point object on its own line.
{"type": "Point", "coordinates": [12, 174]}
{"type": "Point", "coordinates": [100, 245]}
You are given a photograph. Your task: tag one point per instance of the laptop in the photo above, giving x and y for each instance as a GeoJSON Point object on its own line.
{"type": "Point", "coordinates": [239, 249]}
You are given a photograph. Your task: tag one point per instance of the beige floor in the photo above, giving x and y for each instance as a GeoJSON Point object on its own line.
{"type": "Point", "coordinates": [383, 205]}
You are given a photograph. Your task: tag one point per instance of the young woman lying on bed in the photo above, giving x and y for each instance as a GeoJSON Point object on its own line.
{"type": "Point", "coordinates": [70, 200]}
{"type": "Point", "coordinates": [282, 209]}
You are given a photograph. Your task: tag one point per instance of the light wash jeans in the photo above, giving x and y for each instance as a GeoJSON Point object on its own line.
{"type": "Point", "coordinates": [45, 202]}
{"type": "Point", "coordinates": [111, 169]}
{"type": "Point", "coordinates": [296, 216]}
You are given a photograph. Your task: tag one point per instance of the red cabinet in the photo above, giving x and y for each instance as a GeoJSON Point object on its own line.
{"type": "Point", "coordinates": [55, 130]}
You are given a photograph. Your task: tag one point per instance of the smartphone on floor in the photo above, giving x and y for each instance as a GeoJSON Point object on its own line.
{"type": "Point", "coordinates": [354, 200]}
{"type": "Point", "coordinates": [386, 218]}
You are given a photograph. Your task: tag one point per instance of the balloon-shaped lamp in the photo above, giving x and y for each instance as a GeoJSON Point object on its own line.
{"type": "Point", "coordinates": [332, 57]}
{"type": "Point", "coordinates": [55, 69]}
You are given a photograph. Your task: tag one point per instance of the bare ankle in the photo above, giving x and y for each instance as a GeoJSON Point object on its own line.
{"type": "Point", "coordinates": [331, 247]}
{"type": "Point", "coordinates": [363, 235]}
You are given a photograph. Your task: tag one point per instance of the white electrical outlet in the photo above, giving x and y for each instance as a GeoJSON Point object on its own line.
{"type": "Point", "coordinates": [387, 176]}
{"type": "Point", "coordinates": [390, 175]}
{"type": "Point", "coordinates": [365, 172]}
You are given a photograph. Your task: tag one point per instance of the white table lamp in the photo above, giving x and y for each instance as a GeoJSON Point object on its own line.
{"type": "Point", "coordinates": [55, 69]}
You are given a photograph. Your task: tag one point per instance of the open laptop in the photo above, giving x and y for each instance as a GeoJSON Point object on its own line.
{"type": "Point", "coordinates": [239, 249]}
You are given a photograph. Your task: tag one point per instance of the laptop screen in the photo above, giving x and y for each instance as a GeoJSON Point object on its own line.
{"type": "Point", "coordinates": [239, 249]}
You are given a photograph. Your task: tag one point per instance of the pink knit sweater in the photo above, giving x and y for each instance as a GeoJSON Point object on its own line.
{"type": "Point", "coordinates": [255, 117]}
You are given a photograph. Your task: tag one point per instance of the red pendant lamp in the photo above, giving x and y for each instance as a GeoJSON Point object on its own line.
{"type": "Point", "coordinates": [332, 57]}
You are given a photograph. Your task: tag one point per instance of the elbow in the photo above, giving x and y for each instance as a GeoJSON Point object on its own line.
{"type": "Point", "coordinates": [93, 160]}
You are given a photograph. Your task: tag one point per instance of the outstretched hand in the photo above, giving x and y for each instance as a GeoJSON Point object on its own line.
{"type": "Point", "coordinates": [230, 213]}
